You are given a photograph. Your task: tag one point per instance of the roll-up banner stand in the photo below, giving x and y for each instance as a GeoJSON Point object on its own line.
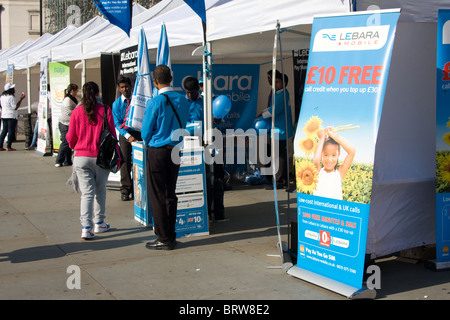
{"type": "Point", "coordinates": [44, 146]}
{"type": "Point", "coordinates": [334, 146]}
{"type": "Point", "coordinates": [59, 73]}
{"type": "Point", "coordinates": [443, 142]}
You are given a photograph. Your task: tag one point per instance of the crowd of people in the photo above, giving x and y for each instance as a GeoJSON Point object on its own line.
{"type": "Point", "coordinates": [80, 126]}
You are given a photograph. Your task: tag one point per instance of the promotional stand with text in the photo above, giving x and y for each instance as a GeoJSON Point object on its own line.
{"type": "Point", "coordinates": [443, 142]}
{"type": "Point", "coordinates": [192, 209]}
{"type": "Point", "coordinates": [334, 146]}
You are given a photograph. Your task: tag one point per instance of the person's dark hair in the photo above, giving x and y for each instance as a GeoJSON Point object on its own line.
{"type": "Point", "coordinates": [90, 91]}
{"type": "Point", "coordinates": [70, 88]}
{"type": "Point", "coordinates": [123, 79]}
{"type": "Point", "coordinates": [191, 83]}
{"type": "Point", "coordinates": [279, 75]}
{"type": "Point", "coordinates": [9, 92]}
{"type": "Point", "coordinates": [163, 74]}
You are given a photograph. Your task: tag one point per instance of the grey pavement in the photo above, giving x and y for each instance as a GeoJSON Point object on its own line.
{"type": "Point", "coordinates": [40, 239]}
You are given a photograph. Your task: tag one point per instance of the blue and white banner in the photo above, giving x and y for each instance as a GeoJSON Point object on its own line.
{"type": "Point", "coordinates": [163, 53]}
{"type": "Point", "coordinates": [237, 81]}
{"type": "Point", "coordinates": [334, 144]}
{"type": "Point", "coordinates": [143, 88]}
{"type": "Point", "coordinates": [443, 138]}
{"type": "Point", "coordinates": [118, 12]}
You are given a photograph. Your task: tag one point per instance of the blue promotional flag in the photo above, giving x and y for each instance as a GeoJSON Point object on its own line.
{"type": "Point", "coordinates": [163, 54]}
{"type": "Point", "coordinates": [118, 12]}
{"type": "Point", "coordinates": [143, 87]}
{"type": "Point", "coordinates": [199, 8]}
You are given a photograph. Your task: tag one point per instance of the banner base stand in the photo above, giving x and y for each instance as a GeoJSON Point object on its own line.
{"type": "Point", "coordinates": [437, 266]}
{"type": "Point", "coordinates": [332, 285]}
{"type": "Point", "coordinates": [284, 256]}
{"type": "Point", "coordinates": [43, 154]}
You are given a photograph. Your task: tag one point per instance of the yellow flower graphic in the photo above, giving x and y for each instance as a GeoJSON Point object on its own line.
{"type": "Point", "coordinates": [307, 176]}
{"type": "Point", "coordinates": [312, 126]}
{"type": "Point", "coordinates": [448, 123]}
{"type": "Point", "coordinates": [444, 167]}
{"type": "Point", "coordinates": [308, 145]}
{"type": "Point", "coordinates": [446, 138]}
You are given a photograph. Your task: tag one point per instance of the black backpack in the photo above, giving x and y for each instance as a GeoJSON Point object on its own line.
{"type": "Point", "coordinates": [109, 153]}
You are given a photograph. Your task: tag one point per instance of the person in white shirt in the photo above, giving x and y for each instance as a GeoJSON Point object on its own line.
{"type": "Point", "coordinates": [9, 106]}
{"type": "Point", "coordinates": [69, 103]}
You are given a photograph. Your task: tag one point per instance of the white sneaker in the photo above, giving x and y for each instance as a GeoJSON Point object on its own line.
{"type": "Point", "coordinates": [101, 227]}
{"type": "Point", "coordinates": [87, 234]}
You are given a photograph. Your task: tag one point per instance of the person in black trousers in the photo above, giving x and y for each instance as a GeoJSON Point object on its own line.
{"type": "Point", "coordinates": [164, 114]}
{"type": "Point", "coordinates": [127, 135]}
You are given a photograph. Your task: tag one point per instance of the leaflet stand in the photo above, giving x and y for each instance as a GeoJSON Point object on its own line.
{"type": "Point", "coordinates": [437, 266]}
{"type": "Point", "coordinates": [192, 213]}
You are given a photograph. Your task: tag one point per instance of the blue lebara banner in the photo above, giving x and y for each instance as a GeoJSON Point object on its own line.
{"type": "Point", "coordinates": [443, 140]}
{"type": "Point", "coordinates": [118, 12]}
{"type": "Point", "coordinates": [334, 144]}
{"type": "Point", "coordinates": [237, 81]}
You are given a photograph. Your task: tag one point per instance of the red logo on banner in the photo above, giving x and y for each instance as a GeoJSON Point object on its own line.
{"type": "Point", "coordinates": [325, 238]}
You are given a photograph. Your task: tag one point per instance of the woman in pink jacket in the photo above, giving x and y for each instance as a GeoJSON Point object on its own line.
{"type": "Point", "coordinates": [84, 137]}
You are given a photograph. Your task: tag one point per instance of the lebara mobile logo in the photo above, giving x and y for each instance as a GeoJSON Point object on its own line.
{"type": "Point", "coordinates": [346, 39]}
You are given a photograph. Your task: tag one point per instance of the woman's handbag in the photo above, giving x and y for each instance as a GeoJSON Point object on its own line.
{"type": "Point", "coordinates": [109, 152]}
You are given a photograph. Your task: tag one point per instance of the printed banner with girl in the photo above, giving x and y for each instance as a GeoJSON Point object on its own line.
{"type": "Point", "coordinates": [443, 141]}
{"type": "Point", "coordinates": [335, 140]}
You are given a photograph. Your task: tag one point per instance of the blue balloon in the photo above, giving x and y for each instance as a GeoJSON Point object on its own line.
{"type": "Point", "coordinates": [261, 124]}
{"type": "Point", "coordinates": [221, 105]}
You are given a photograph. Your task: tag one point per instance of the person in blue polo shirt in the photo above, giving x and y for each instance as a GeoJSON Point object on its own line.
{"type": "Point", "coordinates": [192, 89]}
{"type": "Point", "coordinates": [164, 114]}
{"type": "Point", "coordinates": [127, 135]}
{"type": "Point", "coordinates": [284, 133]}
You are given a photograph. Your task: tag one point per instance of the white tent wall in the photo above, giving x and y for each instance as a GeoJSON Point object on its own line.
{"type": "Point", "coordinates": [402, 213]}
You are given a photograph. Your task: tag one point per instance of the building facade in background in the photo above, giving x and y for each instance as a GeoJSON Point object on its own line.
{"type": "Point", "coordinates": [20, 20]}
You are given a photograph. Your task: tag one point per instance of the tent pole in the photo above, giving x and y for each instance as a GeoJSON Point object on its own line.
{"type": "Point", "coordinates": [207, 111]}
{"type": "Point", "coordinates": [29, 88]}
{"type": "Point", "coordinates": [207, 122]}
{"type": "Point", "coordinates": [288, 162]}
{"type": "Point", "coordinates": [83, 72]}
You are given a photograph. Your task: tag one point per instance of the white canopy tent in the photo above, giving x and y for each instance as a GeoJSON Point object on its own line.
{"type": "Point", "coordinates": [402, 207]}
{"type": "Point", "coordinates": [20, 60]}
{"type": "Point", "coordinates": [77, 34]}
{"type": "Point", "coordinates": [73, 49]}
{"type": "Point", "coordinates": [44, 46]}
{"type": "Point", "coordinates": [16, 48]}
{"type": "Point", "coordinates": [113, 41]}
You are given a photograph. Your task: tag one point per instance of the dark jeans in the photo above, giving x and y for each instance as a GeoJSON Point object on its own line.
{"type": "Point", "coordinates": [9, 127]}
{"type": "Point", "coordinates": [126, 184]}
{"type": "Point", "coordinates": [64, 153]}
{"type": "Point", "coordinates": [162, 181]}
